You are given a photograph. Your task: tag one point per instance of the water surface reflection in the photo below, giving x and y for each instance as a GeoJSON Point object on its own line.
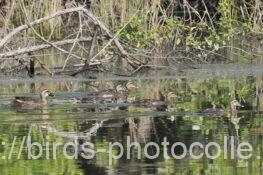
{"type": "Point", "coordinates": [105, 122]}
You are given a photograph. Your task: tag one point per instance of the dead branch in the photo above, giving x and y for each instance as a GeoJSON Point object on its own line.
{"type": "Point", "coordinates": [73, 45]}
{"type": "Point", "coordinates": [46, 41]}
{"type": "Point", "coordinates": [96, 22]}
{"type": "Point", "coordinates": [43, 66]}
{"type": "Point", "coordinates": [114, 38]}
{"type": "Point", "coordinates": [13, 53]}
{"type": "Point", "coordinates": [6, 39]}
{"type": "Point", "coordinates": [91, 48]}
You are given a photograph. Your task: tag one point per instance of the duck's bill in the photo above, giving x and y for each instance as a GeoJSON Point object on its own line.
{"type": "Point", "coordinates": [240, 105]}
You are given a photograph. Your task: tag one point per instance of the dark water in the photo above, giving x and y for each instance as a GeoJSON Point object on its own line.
{"type": "Point", "coordinates": [104, 124]}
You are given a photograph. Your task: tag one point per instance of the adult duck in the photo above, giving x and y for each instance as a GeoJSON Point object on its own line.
{"type": "Point", "coordinates": [30, 102]}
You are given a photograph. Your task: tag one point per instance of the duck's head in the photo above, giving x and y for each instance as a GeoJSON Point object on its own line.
{"type": "Point", "coordinates": [45, 93]}
{"type": "Point", "coordinates": [235, 104]}
{"type": "Point", "coordinates": [131, 99]}
{"type": "Point", "coordinates": [121, 88]}
{"type": "Point", "coordinates": [130, 85]}
{"type": "Point", "coordinates": [125, 88]}
{"type": "Point", "coordinates": [171, 95]}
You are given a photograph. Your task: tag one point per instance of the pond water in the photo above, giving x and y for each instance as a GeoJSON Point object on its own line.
{"type": "Point", "coordinates": [106, 127]}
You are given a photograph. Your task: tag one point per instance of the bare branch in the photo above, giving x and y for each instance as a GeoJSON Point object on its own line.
{"type": "Point", "coordinates": [73, 45]}
{"type": "Point", "coordinates": [108, 32]}
{"type": "Point", "coordinates": [41, 47]}
{"type": "Point", "coordinates": [96, 22]}
{"type": "Point", "coordinates": [38, 21]}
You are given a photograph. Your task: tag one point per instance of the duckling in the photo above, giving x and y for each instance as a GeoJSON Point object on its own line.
{"type": "Point", "coordinates": [233, 105]}
{"type": "Point", "coordinates": [213, 111]}
{"type": "Point", "coordinates": [235, 120]}
{"type": "Point", "coordinates": [160, 105]}
{"type": "Point", "coordinates": [130, 86]}
{"type": "Point", "coordinates": [110, 95]}
{"type": "Point", "coordinates": [220, 112]}
{"type": "Point", "coordinates": [30, 102]}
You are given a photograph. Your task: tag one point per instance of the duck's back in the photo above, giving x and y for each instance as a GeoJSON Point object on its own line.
{"type": "Point", "coordinates": [213, 112]}
{"type": "Point", "coordinates": [27, 103]}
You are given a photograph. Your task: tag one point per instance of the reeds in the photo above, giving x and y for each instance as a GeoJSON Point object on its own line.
{"type": "Point", "coordinates": [115, 13]}
{"type": "Point", "coordinates": [13, 15]}
{"type": "Point", "coordinates": [144, 24]}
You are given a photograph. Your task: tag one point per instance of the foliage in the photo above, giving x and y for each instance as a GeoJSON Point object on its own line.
{"type": "Point", "coordinates": [194, 34]}
{"type": "Point", "coordinates": [136, 32]}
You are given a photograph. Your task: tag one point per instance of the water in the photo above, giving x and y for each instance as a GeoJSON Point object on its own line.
{"type": "Point", "coordinates": [103, 124]}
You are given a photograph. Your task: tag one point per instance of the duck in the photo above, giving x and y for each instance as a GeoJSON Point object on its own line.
{"type": "Point", "coordinates": [160, 105]}
{"type": "Point", "coordinates": [109, 95]}
{"type": "Point", "coordinates": [235, 120]}
{"type": "Point", "coordinates": [213, 111]}
{"type": "Point", "coordinates": [221, 112]}
{"type": "Point", "coordinates": [129, 86]}
{"type": "Point", "coordinates": [30, 102]}
{"type": "Point", "coordinates": [233, 106]}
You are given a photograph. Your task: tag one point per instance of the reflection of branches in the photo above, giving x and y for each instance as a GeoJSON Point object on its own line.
{"type": "Point", "coordinates": [149, 66]}
{"type": "Point", "coordinates": [144, 128]}
{"type": "Point", "coordinates": [75, 135]}
{"type": "Point", "coordinates": [133, 129]}
{"type": "Point", "coordinates": [140, 132]}
{"type": "Point", "coordinates": [170, 132]}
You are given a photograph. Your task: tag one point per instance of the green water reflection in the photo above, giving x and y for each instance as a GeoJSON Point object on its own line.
{"type": "Point", "coordinates": [102, 124]}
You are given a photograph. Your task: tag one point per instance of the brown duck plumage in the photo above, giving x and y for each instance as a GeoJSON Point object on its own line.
{"type": "Point", "coordinates": [160, 104]}
{"type": "Point", "coordinates": [106, 95]}
{"type": "Point", "coordinates": [220, 112]}
{"type": "Point", "coordinates": [30, 102]}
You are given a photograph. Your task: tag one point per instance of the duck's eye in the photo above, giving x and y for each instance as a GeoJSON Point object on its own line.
{"type": "Point", "coordinates": [51, 94]}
